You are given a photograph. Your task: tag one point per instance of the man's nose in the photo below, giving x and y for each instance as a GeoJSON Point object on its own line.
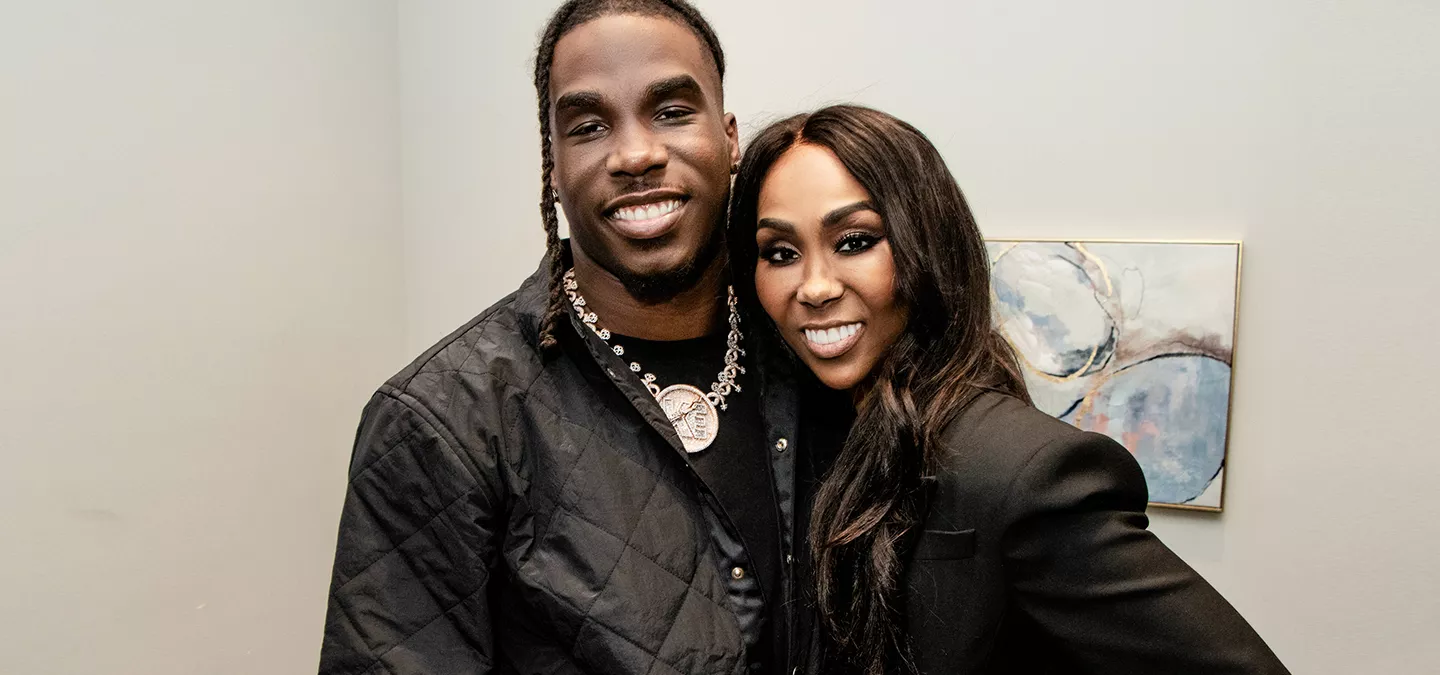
{"type": "Point", "coordinates": [637, 152]}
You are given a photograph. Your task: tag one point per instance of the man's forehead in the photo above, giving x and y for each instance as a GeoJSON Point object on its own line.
{"type": "Point", "coordinates": [629, 49]}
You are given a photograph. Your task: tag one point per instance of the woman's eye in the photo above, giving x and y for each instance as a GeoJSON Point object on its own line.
{"type": "Point", "coordinates": [779, 255]}
{"type": "Point", "coordinates": [856, 243]}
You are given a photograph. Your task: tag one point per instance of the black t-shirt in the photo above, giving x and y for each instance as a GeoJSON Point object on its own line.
{"type": "Point", "coordinates": [736, 466]}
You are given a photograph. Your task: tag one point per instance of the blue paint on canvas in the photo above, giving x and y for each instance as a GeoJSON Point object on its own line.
{"type": "Point", "coordinates": [1049, 307]}
{"type": "Point", "coordinates": [1171, 413]}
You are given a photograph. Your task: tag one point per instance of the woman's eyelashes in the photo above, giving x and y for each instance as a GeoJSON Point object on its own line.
{"type": "Point", "coordinates": [777, 254]}
{"type": "Point", "coordinates": [856, 242]}
{"type": "Point", "coordinates": [853, 243]}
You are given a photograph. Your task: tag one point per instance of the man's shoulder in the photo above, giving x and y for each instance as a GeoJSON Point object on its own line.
{"type": "Point", "coordinates": [500, 345]}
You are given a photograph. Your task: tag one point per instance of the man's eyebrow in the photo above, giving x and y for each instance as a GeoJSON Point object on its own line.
{"type": "Point", "coordinates": [776, 224]}
{"type": "Point", "coordinates": [671, 86]}
{"type": "Point", "coordinates": [578, 100]}
{"type": "Point", "coordinates": [839, 214]}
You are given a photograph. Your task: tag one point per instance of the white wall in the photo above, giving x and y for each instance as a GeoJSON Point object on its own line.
{"type": "Point", "coordinates": [203, 273]}
{"type": "Point", "coordinates": [200, 285]}
{"type": "Point", "coordinates": [1305, 129]}
{"type": "Point", "coordinates": [470, 148]}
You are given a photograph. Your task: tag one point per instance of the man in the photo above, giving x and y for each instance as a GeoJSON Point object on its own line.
{"type": "Point", "coordinates": [596, 475]}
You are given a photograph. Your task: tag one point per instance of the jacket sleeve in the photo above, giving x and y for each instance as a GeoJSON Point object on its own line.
{"type": "Point", "coordinates": [417, 546]}
{"type": "Point", "coordinates": [1114, 598]}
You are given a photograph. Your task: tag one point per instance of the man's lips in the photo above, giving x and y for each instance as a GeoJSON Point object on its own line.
{"type": "Point", "coordinates": [646, 215]}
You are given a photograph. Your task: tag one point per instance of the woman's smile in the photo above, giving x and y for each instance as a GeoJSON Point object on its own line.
{"type": "Point", "coordinates": [824, 271]}
{"type": "Point", "coordinates": [833, 341]}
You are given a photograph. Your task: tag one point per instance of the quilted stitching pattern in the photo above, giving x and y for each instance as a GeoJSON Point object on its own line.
{"type": "Point", "coordinates": [478, 444]}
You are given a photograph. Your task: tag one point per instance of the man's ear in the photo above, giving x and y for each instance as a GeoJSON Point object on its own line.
{"type": "Point", "coordinates": [732, 133]}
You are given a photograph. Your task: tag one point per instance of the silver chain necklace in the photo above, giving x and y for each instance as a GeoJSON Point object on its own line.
{"type": "Point", "coordinates": [691, 411]}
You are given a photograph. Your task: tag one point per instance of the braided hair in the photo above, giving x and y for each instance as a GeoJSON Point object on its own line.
{"type": "Point", "coordinates": [568, 17]}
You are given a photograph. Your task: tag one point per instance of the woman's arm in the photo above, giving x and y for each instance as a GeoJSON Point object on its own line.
{"type": "Point", "coordinates": [1082, 565]}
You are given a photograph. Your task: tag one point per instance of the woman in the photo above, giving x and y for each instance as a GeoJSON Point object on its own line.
{"type": "Point", "coordinates": [959, 530]}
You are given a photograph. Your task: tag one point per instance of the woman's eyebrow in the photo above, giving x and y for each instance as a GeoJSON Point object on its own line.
{"type": "Point", "coordinates": [776, 224]}
{"type": "Point", "coordinates": [839, 214]}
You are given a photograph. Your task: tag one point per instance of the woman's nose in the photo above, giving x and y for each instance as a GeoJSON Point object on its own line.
{"type": "Point", "coordinates": [820, 287]}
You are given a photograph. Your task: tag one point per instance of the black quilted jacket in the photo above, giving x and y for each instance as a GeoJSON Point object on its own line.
{"type": "Point", "coordinates": [510, 513]}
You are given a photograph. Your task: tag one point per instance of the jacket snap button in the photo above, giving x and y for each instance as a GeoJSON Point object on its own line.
{"type": "Point", "coordinates": [781, 444]}
{"type": "Point", "coordinates": [738, 573]}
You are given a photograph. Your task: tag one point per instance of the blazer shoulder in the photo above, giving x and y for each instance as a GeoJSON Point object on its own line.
{"type": "Point", "coordinates": [1003, 457]}
{"type": "Point", "coordinates": [991, 441]}
{"type": "Point", "coordinates": [999, 430]}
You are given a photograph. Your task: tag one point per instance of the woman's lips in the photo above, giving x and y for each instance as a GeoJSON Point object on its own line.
{"type": "Point", "coordinates": [832, 342]}
{"type": "Point", "coordinates": [647, 221]}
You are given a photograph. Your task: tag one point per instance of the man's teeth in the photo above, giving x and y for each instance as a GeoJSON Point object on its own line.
{"type": "Point", "coordinates": [831, 335]}
{"type": "Point", "coordinates": [646, 211]}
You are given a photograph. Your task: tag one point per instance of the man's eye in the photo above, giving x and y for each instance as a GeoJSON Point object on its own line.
{"type": "Point", "coordinates": [586, 129]}
{"type": "Point", "coordinates": [673, 114]}
{"type": "Point", "coordinates": [856, 243]}
{"type": "Point", "coordinates": [779, 255]}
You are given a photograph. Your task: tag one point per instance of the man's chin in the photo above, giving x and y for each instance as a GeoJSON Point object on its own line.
{"type": "Point", "coordinates": [658, 275]}
{"type": "Point", "coordinates": [656, 286]}
{"type": "Point", "coordinates": [656, 270]}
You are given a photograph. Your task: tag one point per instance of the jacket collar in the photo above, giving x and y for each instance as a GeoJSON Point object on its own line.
{"type": "Point", "coordinates": [771, 368]}
{"type": "Point", "coordinates": [531, 299]}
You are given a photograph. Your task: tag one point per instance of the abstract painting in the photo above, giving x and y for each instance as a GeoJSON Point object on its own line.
{"type": "Point", "coordinates": [1134, 340]}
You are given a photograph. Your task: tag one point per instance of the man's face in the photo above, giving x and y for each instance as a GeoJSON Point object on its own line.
{"type": "Point", "coordinates": [642, 150]}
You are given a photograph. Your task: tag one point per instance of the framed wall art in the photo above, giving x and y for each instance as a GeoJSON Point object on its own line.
{"type": "Point", "coordinates": [1134, 340]}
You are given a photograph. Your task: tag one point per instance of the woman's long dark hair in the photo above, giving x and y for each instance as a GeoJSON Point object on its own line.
{"type": "Point", "coordinates": [948, 354]}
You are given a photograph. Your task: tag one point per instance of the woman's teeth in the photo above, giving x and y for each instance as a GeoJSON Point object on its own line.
{"type": "Point", "coordinates": [647, 211]}
{"type": "Point", "coordinates": [830, 336]}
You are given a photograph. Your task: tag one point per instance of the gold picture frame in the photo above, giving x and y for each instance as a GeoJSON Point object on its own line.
{"type": "Point", "coordinates": [1082, 369]}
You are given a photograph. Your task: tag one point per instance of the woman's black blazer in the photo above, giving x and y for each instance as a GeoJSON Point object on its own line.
{"type": "Point", "coordinates": [1034, 558]}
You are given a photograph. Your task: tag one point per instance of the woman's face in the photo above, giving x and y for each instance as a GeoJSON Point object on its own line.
{"type": "Point", "coordinates": [825, 272]}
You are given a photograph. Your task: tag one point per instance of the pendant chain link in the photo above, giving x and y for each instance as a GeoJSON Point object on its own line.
{"type": "Point", "coordinates": [725, 383]}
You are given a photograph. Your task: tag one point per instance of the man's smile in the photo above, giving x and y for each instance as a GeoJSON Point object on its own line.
{"type": "Point", "coordinates": [646, 215]}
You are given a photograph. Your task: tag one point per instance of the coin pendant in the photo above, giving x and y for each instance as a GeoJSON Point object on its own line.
{"type": "Point", "coordinates": [693, 416]}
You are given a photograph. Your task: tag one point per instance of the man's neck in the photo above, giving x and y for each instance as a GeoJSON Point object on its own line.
{"type": "Point", "coordinates": [694, 312]}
